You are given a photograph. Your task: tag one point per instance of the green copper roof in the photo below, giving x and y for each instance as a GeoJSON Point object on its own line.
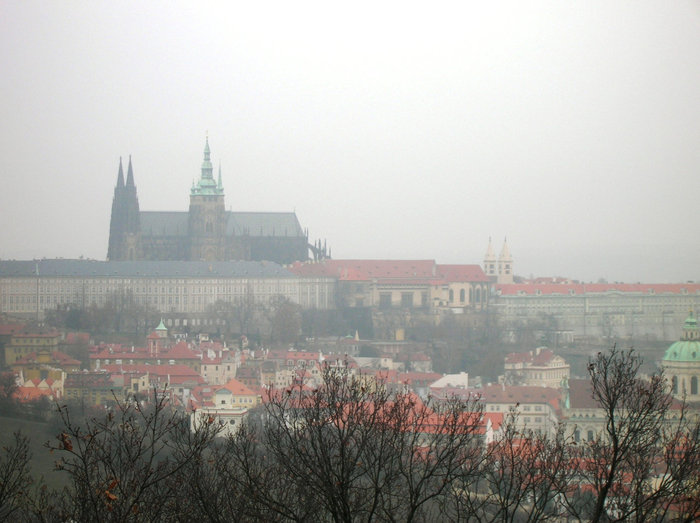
{"type": "Point", "coordinates": [207, 185]}
{"type": "Point", "coordinates": [161, 327]}
{"type": "Point", "coordinates": [688, 348]}
{"type": "Point", "coordinates": [683, 351]}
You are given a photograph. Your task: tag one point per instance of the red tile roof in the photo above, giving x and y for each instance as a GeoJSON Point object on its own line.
{"type": "Point", "coordinates": [174, 373]}
{"type": "Point", "coordinates": [462, 273]}
{"type": "Point", "coordinates": [408, 272]}
{"type": "Point", "coordinates": [581, 394]}
{"type": "Point", "coordinates": [26, 394]}
{"type": "Point", "coordinates": [237, 388]}
{"type": "Point", "coordinates": [544, 357]}
{"type": "Point", "coordinates": [180, 351]}
{"type": "Point", "coordinates": [8, 329]}
{"type": "Point", "coordinates": [519, 394]}
{"type": "Point", "coordinates": [530, 289]}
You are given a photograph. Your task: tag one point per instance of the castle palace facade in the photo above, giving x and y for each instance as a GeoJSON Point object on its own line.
{"type": "Point", "coordinates": [206, 232]}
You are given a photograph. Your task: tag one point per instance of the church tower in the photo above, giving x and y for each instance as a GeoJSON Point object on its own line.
{"type": "Point", "coordinates": [124, 227]}
{"type": "Point", "coordinates": [505, 265]}
{"type": "Point", "coordinates": [490, 262]}
{"type": "Point", "coordinates": [207, 216]}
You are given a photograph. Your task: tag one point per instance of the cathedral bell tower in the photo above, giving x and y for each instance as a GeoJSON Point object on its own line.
{"type": "Point", "coordinates": [207, 216]}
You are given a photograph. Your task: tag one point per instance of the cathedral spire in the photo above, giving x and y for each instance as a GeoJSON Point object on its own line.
{"type": "Point", "coordinates": [206, 184]}
{"type": "Point", "coordinates": [120, 176]}
{"type": "Point", "coordinates": [130, 175]}
{"type": "Point", "coordinates": [206, 163]}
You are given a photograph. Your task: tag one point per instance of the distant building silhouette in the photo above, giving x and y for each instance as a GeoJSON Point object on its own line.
{"type": "Point", "coordinates": [206, 231]}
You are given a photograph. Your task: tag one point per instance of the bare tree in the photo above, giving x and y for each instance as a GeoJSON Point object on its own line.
{"type": "Point", "coordinates": [353, 451]}
{"type": "Point", "coordinates": [15, 478]}
{"type": "Point", "coordinates": [285, 320]}
{"type": "Point", "coordinates": [521, 477]}
{"type": "Point", "coordinates": [128, 465]}
{"type": "Point", "coordinates": [643, 465]}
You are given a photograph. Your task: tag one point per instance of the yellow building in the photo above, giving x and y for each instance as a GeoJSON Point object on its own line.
{"type": "Point", "coordinates": [92, 388]}
{"type": "Point", "coordinates": [235, 395]}
{"type": "Point", "coordinates": [21, 345]}
{"type": "Point", "coordinates": [45, 364]}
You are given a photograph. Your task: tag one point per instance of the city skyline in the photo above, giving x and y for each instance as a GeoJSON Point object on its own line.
{"type": "Point", "coordinates": [393, 133]}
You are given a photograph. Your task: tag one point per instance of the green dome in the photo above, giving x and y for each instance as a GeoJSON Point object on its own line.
{"type": "Point", "coordinates": [688, 348]}
{"type": "Point", "coordinates": [683, 351]}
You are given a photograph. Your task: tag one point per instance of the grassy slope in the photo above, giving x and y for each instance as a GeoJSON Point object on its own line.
{"type": "Point", "coordinates": [42, 463]}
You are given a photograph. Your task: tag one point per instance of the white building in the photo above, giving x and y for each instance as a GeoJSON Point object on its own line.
{"type": "Point", "coordinates": [175, 289]}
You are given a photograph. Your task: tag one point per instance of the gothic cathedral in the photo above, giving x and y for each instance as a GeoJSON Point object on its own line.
{"type": "Point", "coordinates": [206, 232]}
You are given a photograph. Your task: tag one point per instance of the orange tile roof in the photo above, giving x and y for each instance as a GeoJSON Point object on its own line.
{"type": "Point", "coordinates": [236, 387]}
{"type": "Point", "coordinates": [8, 329]}
{"type": "Point", "coordinates": [530, 289]}
{"type": "Point", "coordinates": [462, 273]}
{"type": "Point", "coordinates": [519, 394]}
{"type": "Point", "coordinates": [542, 358]}
{"type": "Point", "coordinates": [25, 394]}
{"type": "Point", "coordinates": [174, 371]}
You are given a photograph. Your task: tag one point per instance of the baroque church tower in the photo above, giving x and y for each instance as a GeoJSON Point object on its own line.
{"type": "Point", "coordinates": [124, 229]}
{"type": "Point", "coordinates": [490, 261]}
{"type": "Point", "coordinates": [505, 264]}
{"type": "Point", "coordinates": [207, 216]}
{"type": "Point", "coordinates": [499, 270]}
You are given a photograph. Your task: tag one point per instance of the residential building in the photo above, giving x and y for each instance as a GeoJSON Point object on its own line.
{"type": "Point", "coordinates": [91, 388]}
{"type": "Point", "coordinates": [538, 408]}
{"type": "Point", "coordinates": [540, 368]}
{"type": "Point", "coordinates": [25, 343]}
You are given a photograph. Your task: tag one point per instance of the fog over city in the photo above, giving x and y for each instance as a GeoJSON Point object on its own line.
{"type": "Point", "coordinates": [394, 130]}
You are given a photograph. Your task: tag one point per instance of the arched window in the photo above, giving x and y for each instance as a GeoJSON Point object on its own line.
{"type": "Point", "coordinates": [461, 295]}
{"type": "Point", "coordinates": [590, 435]}
{"type": "Point", "coordinates": [452, 295]}
{"type": "Point", "coordinates": [478, 295]}
{"type": "Point", "coordinates": [694, 385]}
{"type": "Point", "coordinates": [674, 384]}
{"type": "Point", "coordinates": [471, 295]}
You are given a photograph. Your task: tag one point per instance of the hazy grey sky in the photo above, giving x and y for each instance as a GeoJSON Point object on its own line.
{"type": "Point", "coordinates": [394, 129]}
